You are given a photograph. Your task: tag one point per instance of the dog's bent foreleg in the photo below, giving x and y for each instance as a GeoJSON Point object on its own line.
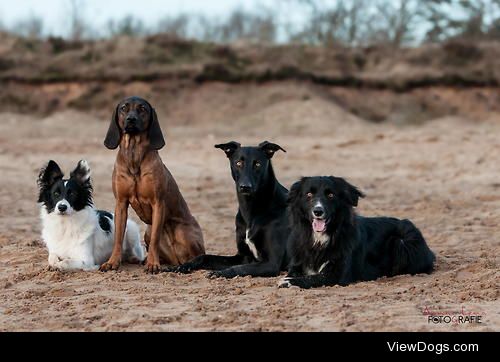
{"type": "Point", "coordinates": [187, 242]}
{"type": "Point", "coordinates": [259, 269]}
{"type": "Point", "coordinates": [134, 251]}
{"type": "Point", "coordinates": [208, 262]}
{"type": "Point", "coordinates": [334, 273]}
{"type": "Point", "coordinates": [74, 264]}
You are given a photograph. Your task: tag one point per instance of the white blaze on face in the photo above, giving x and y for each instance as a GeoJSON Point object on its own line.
{"type": "Point", "coordinates": [251, 245]}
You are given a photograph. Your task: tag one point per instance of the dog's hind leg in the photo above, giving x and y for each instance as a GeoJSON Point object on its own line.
{"type": "Point", "coordinates": [166, 249]}
{"type": "Point", "coordinates": [133, 250]}
{"type": "Point", "coordinates": [411, 255]}
{"type": "Point", "coordinates": [187, 242]}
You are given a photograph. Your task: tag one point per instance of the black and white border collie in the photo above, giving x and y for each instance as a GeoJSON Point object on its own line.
{"type": "Point", "coordinates": [78, 236]}
{"type": "Point", "coordinates": [329, 244]}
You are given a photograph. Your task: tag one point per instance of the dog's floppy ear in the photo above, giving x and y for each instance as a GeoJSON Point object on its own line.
{"type": "Point", "coordinates": [155, 135]}
{"type": "Point", "coordinates": [349, 193]}
{"type": "Point", "coordinates": [114, 134]}
{"type": "Point", "coordinates": [229, 148]}
{"type": "Point", "coordinates": [294, 193]}
{"type": "Point", "coordinates": [270, 148]}
{"type": "Point", "coordinates": [82, 172]}
{"type": "Point", "coordinates": [295, 210]}
{"type": "Point", "coordinates": [47, 176]}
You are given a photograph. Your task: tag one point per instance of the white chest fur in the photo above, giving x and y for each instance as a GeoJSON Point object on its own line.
{"type": "Point", "coordinates": [251, 246]}
{"type": "Point", "coordinates": [76, 236]}
{"type": "Point", "coordinates": [63, 234]}
{"type": "Point", "coordinates": [320, 239]}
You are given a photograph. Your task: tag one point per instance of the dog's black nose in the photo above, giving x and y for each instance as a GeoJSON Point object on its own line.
{"type": "Point", "coordinates": [245, 189]}
{"type": "Point", "coordinates": [131, 120]}
{"type": "Point", "coordinates": [62, 207]}
{"type": "Point", "coordinates": [318, 211]}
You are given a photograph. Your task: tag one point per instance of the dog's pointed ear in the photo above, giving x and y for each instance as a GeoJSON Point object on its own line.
{"type": "Point", "coordinates": [47, 176]}
{"type": "Point", "coordinates": [156, 139]}
{"type": "Point", "coordinates": [270, 148]}
{"type": "Point", "coordinates": [350, 193]}
{"type": "Point", "coordinates": [50, 173]}
{"type": "Point", "coordinates": [114, 134]}
{"type": "Point", "coordinates": [228, 148]}
{"type": "Point", "coordinates": [82, 172]}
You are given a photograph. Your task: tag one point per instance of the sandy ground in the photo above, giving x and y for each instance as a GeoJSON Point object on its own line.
{"type": "Point", "coordinates": [443, 175]}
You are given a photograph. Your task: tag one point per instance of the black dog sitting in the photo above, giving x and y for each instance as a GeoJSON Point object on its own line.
{"type": "Point", "coordinates": [261, 221]}
{"type": "Point", "coordinates": [329, 244]}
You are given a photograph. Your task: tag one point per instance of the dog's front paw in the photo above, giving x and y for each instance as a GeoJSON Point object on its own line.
{"type": "Point", "coordinates": [168, 269]}
{"type": "Point", "coordinates": [185, 268]}
{"type": "Point", "coordinates": [214, 274]}
{"type": "Point", "coordinates": [52, 268]}
{"type": "Point", "coordinates": [53, 261]}
{"type": "Point", "coordinates": [285, 282]}
{"type": "Point", "coordinates": [221, 274]}
{"type": "Point", "coordinates": [111, 264]}
{"type": "Point", "coordinates": [152, 267]}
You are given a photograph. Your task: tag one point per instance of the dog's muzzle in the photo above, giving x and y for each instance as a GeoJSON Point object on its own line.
{"type": "Point", "coordinates": [132, 125]}
{"type": "Point", "coordinates": [319, 221]}
{"type": "Point", "coordinates": [245, 190]}
{"type": "Point", "coordinates": [62, 207]}
{"type": "Point", "coordinates": [131, 129]}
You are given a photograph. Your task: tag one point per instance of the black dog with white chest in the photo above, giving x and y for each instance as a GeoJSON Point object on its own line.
{"type": "Point", "coordinates": [329, 244]}
{"type": "Point", "coordinates": [261, 222]}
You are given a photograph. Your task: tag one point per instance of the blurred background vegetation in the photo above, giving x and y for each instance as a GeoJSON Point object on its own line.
{"type": "Point", "coordinates": [403, 60]}
{"type": "Point", "coordinates": [323, 22]}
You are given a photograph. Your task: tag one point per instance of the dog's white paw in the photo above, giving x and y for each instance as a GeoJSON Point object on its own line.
{"type": "Point", "coordinates": [61, 265]}
{"type": "Point", "coordinates": [91, 268]}
{"type": "Point", "coordinates": [53, 261]}
{"type": "Point", "coordinates": [284, 283]}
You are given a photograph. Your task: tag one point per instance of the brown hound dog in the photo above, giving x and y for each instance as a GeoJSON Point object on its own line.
{"type": "Point", "coordinates": [140, 179]}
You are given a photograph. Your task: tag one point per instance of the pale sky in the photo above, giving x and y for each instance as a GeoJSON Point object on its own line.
{"type": "Point", "coordinates": [98, 12]}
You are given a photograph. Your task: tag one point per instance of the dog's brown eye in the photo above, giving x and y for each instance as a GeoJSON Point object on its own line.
{"type": "Point", "coordinates": [123, 108]}
{"type": "Point", "coordinates": [57, 193]}
{"type": "Point", "coordinates": [239, 163]}
{"type": "Point", "coordinates": [330, 195]}
{"type": "Point", "coordinates": [142, 108]}
{"type": "Point", "coordinates": [309, 195]}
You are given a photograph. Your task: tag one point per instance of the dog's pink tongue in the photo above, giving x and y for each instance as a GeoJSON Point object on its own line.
{"type": "Point", "coordinates": [319, 225]}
